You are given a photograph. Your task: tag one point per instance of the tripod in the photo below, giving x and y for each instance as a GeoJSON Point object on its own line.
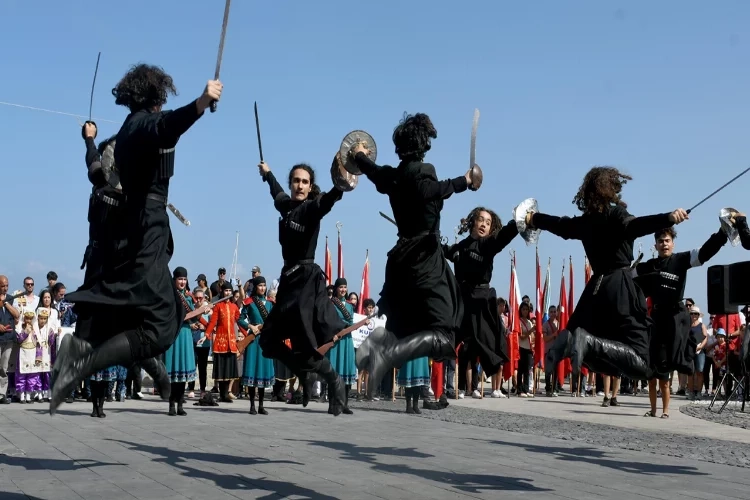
{"type": "Point", "coordinates": [737, 384]}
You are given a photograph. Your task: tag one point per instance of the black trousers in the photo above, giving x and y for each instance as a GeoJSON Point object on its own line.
{"type": "Point", "coordinates": [525, 363]}
{"type": "Point", "coordinates": [201, 360]}
{"type": "Point", "coordinates": [133, 379]}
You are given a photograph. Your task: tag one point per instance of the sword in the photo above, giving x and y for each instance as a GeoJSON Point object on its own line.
{"type": "Point", "coordinates": [722, 187]}
{"type": "Point", "coordinates": [257, 129]}
{"type": "Point", "coordinates": [473, 152]}
{"type": "Point", "coordinates": [91, 98]}
{"type": "Point", "coordinates": [177, 214]}
{"type": "Point", "coordinates": [388, 219]}
{"type": "Point", "coordinates": [221, 48]}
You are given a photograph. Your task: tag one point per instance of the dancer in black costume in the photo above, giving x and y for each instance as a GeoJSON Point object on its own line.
{"type": "Point", "coordinates": [740, 222]}
{"type": "Point", "coordinates": [303, 312]}
{"type": "Point", "coordinates": [473, 259]}
{"type": "Point", "coordinates": [609, 330]}
{"type": "Point", "coordinates": [663, 279]}
{"type": "Point", "coordinates": [137, 283]}
{"type": "Point", "coordinates": [107, 237]}
{"type": "Point", "coordinates": [420, 296]}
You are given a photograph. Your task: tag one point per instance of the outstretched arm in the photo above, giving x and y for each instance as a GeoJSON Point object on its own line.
{"type": "Point", "coordinates": [449, 252]}
{"type": "Point", "coordinates": [322, 205]}
{"type": "Point", "coordinates": [635, 227]}
{"type": "Point", "coordinates": [502, 239]}
{"type": "Point", "coordinates": [380, 176]}
{"type": "Point", "coordinates": [709, 249]}
{"type": "Point", "coordinates": [430, 189]}
{"type": "Point", "coordinates": [567, 228]}
{"type": "Point", "coordinates": [281, 200]}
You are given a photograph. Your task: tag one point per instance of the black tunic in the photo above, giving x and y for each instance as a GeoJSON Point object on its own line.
{"type": "Point", "coordinates": [481, 330]}
{"type": "Point", "coordinates": [139, 280]}
{"type": "Point", "coordinates": [303, 312]}
{"type": "Point", "coordinates": [663, 279]}
{"type": "Point", "coordinates": [611, 306]}
{"type": "Point", "coordinates": [420, 292]}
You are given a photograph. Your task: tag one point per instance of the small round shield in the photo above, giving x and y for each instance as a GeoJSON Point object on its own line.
{"type": "Point", "coordinates": [476, 177]}
{"type": "Point", "coordinates": [351, 140]}
{"type": "Point", "coordinates": [725, 219]}
{"type": "Point", "coordinates": [529, 235]}
{"type": "Point", "coordinates": [342, 179]}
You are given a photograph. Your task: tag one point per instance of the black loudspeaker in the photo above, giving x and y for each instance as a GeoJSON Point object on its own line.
{"type": "Point", "coordinates": [728, 287]}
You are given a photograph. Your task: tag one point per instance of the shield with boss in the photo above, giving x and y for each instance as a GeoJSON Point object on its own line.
{"type": "Point", "coordinates": [725, 218]}
{"type": "Point", "coordinates": [529, 235]}
{"type": "Point", "coordinates": [352, 139]}
{"type": "Point", "coordinates": [342, 179]}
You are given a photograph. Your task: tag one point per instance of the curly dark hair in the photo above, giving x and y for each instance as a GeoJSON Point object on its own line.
{"type": "Point", "coordinates": [314, 188]}
{"type": "Point", "coordinates": [600, 188]}
{"type": "Point", "coordinates": [412, 136]}
{"type": "Point", "coordinates": [468, 223]}
{"type": "Point", "coordinates": [667, 231]}
{"type": "Point", "coordinates": [143, 87]}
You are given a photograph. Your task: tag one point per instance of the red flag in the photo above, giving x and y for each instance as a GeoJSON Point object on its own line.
{"type": "Point", "coordinates": [328, 266]}
{"type": "Point", "coordinates": [539, 342]}
{"type": "Point", "coordinates": [513, 301]}
{"type": "Point", "coordinates": [364, 291]}
{"type": "Point", "coordinates": [341, 258]}
{"type": "Point", "coordinates": [562, 316]}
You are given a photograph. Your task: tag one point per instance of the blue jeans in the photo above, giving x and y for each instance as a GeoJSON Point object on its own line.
{"type": "Point", "coordinates": [699, 362]}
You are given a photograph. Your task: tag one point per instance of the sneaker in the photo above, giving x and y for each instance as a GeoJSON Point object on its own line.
{"type": "Point", "coordinates": [498, 394]}
{"type": "Point", "coordinates": [476, 395]}
{"type": "Point", "coordinates": [461, 394]}
{"type": "Point", "coordinates": [600, 393]}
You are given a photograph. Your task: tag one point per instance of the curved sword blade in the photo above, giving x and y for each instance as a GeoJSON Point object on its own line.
{"type": "Point", "coordinates": [473, 152]}
{"type": "Point", "coordinates": [91, 99]}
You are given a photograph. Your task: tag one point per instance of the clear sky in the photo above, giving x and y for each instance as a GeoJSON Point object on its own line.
{"type": "Point", "coordinates": [659, 89]}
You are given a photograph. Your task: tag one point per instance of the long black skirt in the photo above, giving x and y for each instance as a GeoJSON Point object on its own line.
{"type": "Point", "coordinates": [672, 346]}
{"type": "Point", "coordinates": [140, 281]}
{"type": "Point", "coordinates": [282, 372]}
{"type": "Point", "coordinates": [481, 331]}
{"type": "Point", "coordinates": [420, 292]}
{"type": "Point", "coordinates": [613, 307]}
{"type": "Point", "coordinates": [225, 366]}
{"type": "Point", "coordinates": [303, 313]}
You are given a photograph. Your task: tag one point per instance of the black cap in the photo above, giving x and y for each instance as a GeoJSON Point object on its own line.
{"type": "Point", "coordinates": [201, 277]}
{"type": "Point", "coordinates": [222, 271]}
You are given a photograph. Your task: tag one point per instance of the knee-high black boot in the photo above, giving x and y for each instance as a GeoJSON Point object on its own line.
{"type": "Point", "coordinates": [252, 401]}
{"type": "Point", "coordinates": [95, 398]}
{"type": "Point", "coordinates": [296, 363]}
{"type": "Point", "coordinates": [415, 397]}
{"type": "Point", "coordinates": [172, 399]}
{"type": "Point", "coordinates": [158, 373]}
{"type": "Point", "coordinates": [179, 398]}
{"type": "Point", "coordinates": [408, 391]}
{"type": "Point", "coordinates": [103, 391]}
{"type": "Point", "coordinates": [261, 397]}
{"type": "Point", "coordinates": [278, 389]}
{"type": "Point", "coordinates": [77, 361]}
{"type": "Point", "coordinates": [608, 357]}
{"type": "Point", "coordinates": [345, 409]}
{"type": "Point", "coordinates": [382, 351]}
{"type": "Point", "coordinates": [336, 389]}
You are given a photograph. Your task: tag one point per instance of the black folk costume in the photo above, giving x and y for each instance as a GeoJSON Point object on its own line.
{"type": "Point", "coordinates": [663, 280]}
{"type": "Point", "coordinates": [137, 283]}
{"type": "Point", "coordinates": [420, 297]}
{"type": "Point", "coordinates": [609, 330]}
{"type": "Point", "coordinates": [744, 230]}
{"type": "Point", "coordinates": [303, 313]}
{"type": "Point", "coordinates": [481, 330]}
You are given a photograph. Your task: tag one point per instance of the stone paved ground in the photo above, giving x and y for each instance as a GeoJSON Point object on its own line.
{"type": "Point", "coordinates": [379, 452]}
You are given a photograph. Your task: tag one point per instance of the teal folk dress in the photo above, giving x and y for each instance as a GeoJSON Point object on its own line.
{"type": "Point", "coordinates": [341, 354]}
{"type": "Point", "coordinates": [180, 357]}
{"type": "Point", "coordinates": [414, 373]}
{"type": "Point", "coordinates": [257, 370]}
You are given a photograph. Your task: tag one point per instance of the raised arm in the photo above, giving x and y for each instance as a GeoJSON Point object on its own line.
{"type": "Point", "coordinates": [635, 227]}
{"type": "Point", "coordinates": [495, 244]}
{"type": "Point", "coordinates": [429, 188]}
{"type": "Point", "coordinates": [281, 200]}
{"type": "Point", "coordinates": [709, 249]}
{"type": "Point", "coordinates": [323, 204]}
{"type": "Point", "coordinates": [744, 231]}
{"type": "Point", "coordinates": [567, 228]}
{"type": "Point", "coordinates": [382, 177]}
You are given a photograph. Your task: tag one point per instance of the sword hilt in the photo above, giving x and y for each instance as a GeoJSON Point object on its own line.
{"type": "Point", "coordinates": [212, 106]}
{"type": "Point", "coordinates": [83, 128]}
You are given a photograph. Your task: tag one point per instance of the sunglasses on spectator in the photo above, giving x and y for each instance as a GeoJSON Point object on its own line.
{"type": "Point", "coordinates": [28, 284]}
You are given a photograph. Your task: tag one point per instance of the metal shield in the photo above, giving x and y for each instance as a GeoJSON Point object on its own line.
{"type": "Point", "coordinates": [529, 235]}
{"type": "Point", "coordinates": [725, 218]}
{"type": "Point", "coordinates": [476, 177]}
{"type": "Point", "coordinates": [342, 179]}
{"type": "Point", "coordinates": [352, 139]}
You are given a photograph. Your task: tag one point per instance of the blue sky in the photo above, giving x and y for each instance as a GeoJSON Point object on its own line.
{"type": "Point", "coordinates": [659, 89]}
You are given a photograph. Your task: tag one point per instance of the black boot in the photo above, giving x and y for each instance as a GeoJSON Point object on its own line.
{"type": "Point", "coordinates": [261, 397]}
{"type": "Point", "coordinates": [382, 351]}
{"type": "Point", "coordinates": [94, 403]}
{"type": "Point", "coordinates": [158, 373]}
{"type": "Point", "coordinates": [76, 361]}
{"type": "Point", "coordinates": [607, 357]}
{"type": "Point", "coordinates": [172, 411]}
{"type": "Point", "coordinates": [409, 391]}
{"type": "Point", "coordinates": [252, 402]}
{"type": "Point", "coordinates": [179, 398]}
{"type": "Point", "coordinates": [330, 399]}
{"type": "Point", "coordinates": [415, 397]}
{"type": "Point", "coordinates": [345, 409]}
{"type": "Point", "coordinates": [323, 392]}
{"type": "Point", "coordinates": [101, 407]}
{"type": "Point", "coordinates": [336, 391]}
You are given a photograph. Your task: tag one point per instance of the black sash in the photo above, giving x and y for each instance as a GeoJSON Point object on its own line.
{"type": "Point", "coordinates": [261, 307]}
{"type": "Point", "coordinates": [342, 308]}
